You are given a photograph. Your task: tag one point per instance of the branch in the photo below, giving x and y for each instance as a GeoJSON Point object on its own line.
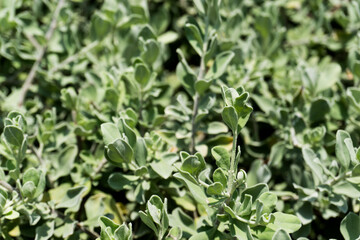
{"type": "Point", "coordinates": [99, 167]}
{"type": "Point", "coordinates": [196, 98]}
{"type": "Point", "coordinates": [81, 227]}
{"type": "Point", "coordinates": [42, 50]}
{"type": "Point", "coordinates": [7, 186]}
{"type": "Point", "coordinates": [33, 41]}
{"type": "Point", "coordinates": [72, 58]}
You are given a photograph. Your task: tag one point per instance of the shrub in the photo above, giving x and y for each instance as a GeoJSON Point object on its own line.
{"type": "Point", "coordinates": [201, 119]}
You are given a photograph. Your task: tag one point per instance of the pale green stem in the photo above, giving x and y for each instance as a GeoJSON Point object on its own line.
{"type": "Point", "coordinates": [233, 166]}
{"type": "Point", "coordinates": [196, 97]}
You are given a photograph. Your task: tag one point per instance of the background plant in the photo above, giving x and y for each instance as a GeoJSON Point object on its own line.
{"type": "Point", "coordinates": [179, 119]}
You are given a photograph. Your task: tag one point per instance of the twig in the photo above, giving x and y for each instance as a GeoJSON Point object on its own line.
{"type": "Point", "coordinates": [42, 50]}
{"type": "Point", "coordinates": [43, 164]}
{"type": "Point", "coordinates": [196, 98]}
{"type": "Point", "coordinates": [294, 139]}
{"type": "Point", "coordinates": [33, 41]}
{"type": "Point", "coordinates": [7, 186]}
{"type": "Point", "coordinates": [10, 188]}
{"type": "Point", "coordinates": [81, 227]}
{"type": "Point", "coordinates": [72, 58]}
{"type": "Point", "coordinates": [99, 167]}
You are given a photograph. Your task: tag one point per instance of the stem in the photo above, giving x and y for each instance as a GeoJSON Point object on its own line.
{"type": "Point", "coordinates": [233, 166]}
{"type": "Point", "coordinates": [6, 185]}
{"type": "Point", "coordinates": [42, 162]}
{"type": "Point", "coordinates": [81, 227]}
{"type": "Point", "coordinates": [141, 105]}
{"type": "Point", "coordinates": [72, 58]}
{"type": "Point", "coordinates": [99, 168]}
{"type": "Point", "coordinates": [339, 178]}
{"type": "Point", "coordinates": [27, 84]}
{"type": "Point", "coordinates": [200, 76]}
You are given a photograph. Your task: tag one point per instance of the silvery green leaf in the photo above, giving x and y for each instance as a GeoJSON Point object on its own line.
{"type": "Point", "coordinates": [110, 132]}
{"type": "Point", "coordinates": [119, 151]}
{"type": "Point", "coordinates": [196, 191]}
{"type": "Point", "coordinates": [72, 200]}
{"type": "Point", "coordinates": [193, 35]}
{"type": "Point", "coordinates": [288, 222]}
{"type": "Point", "coordinates": [350, 226]}
{"type": "Point", "coordinates": [281, 234]}
{"type": "Point", "coordinates": [230, 117]}
{"type": "Point", "coordinates": [45, 231]}
{"type": "Point", "coordinates": [219, 176]}
{"type": "Point", "coordinates": [142, 74]}
{"type": "Point", "coordinates": [222, 157]}
{"type": "Point", "coordinates": [119, 181]}
{"type": "Point", "coordinates": [329, 75]}
{"type": "Point", "coordinates": [341, 150]}
{"type": "Point", "coordinates": [220, 64]}
{"type": "Point", "coordinates": [313, 162]}
{"type": "Point", "coordinates": [215, 188]}
{"type": "Point", "coordinates": [14, 135]}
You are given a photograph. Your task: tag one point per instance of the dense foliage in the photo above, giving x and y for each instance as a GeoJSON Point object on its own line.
{"type": "Point", "coordinates": [164, 119]}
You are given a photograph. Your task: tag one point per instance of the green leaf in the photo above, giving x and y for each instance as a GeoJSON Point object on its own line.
{"type": "Point", "coordinates": [186, 223]}
{"type": "Point", "coordinates": [281, 234]}
{"type": "Point", "coordinates": [123, 232]}
{"type": "Point", "coordinates": [45, 231]}
{"type": "Point", "coordinates": [240, 230]}
{"type": "Point", "coordinates": [354, 97]}
{"type": "Point", "coordinates": [185, 74]}
{"type": "Point", "coordinates": [219, 176]}
{"type": "Point", "coordinates": [193, 164]}
{"type": "Point", "coordinates": [269, 200]}
{"type": "Point", "coordinates": [215, 189]}
{"type": "Point", "coordinates": [259, 173]}
{"type": "Point", "coordinates": [175, 233]}
{"type": "Point", "coordinates": [222, 157]}
{"type": "Point", "coordinates": [304, 212]}
{"type": "Point", "coordinates": [100, 25]}
{"type": "Point", "coordinates": [163, 167]}
{"type": "Point", "coordinates": [154, 207]}
{"type": "Point", "coordinates": [288, 222]}
{"type": "Point", "coordinates": [194, 37]}
{"type": "Point", "coordinates": [314, 163]}
{"type": "Point", "coordinates": [119, 151]}
{"type": "Point", "coordinates": [72, 199]}
{"type": "Point", "coordinates": [129, 133]}
{"type": "Point", "coordinates": [276, 154]}
{"type": "Point", "coordinates": [216, 128]}
{"type": "Point", "coordinates": [196, 191]}
{"type": "Point", "coordinates": [255, 191]}
{"type": "Point", "coordinates": [246, 206]}
{"type": "Point", "coordinates": [148, 221]}
{"type": "Point", "coordinates": [28, 190]}
{"type": "Point", "coordinates": [220, 64]}
{"type": "Point", "coordinates": [348, 189]}
{"type": "Point", "coordinates": [150, 52]}
{"type": "Point", "coordinates": [230, 117]}
{"type": "Point", "coordinates": [142, 74]}
{"type": "Point", "coordinates": [202, 85]}
{"type": "Point", "coordinates": [318, 110]}
{"type": "Point", "coordinates": [119, 181]}
{"type": "Point", "coordinates": [110, 132]}
{"type": "Point", "coordinates": [65, 161]}
{"type": "Point", "coordinates": [141, 152]}
{"type": "Point", "coordinates": [350, 226]}
{"type": "Point", "coordinates": [14, 135]}
{"type": "Point", "coordinates": [329, 75]}
{"type": "Point", "coordinates": [200, 6]}
{"type": "Point", "coordinates": [341, 150]}
{"type": "Point", "coordinates": [105, 222]}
